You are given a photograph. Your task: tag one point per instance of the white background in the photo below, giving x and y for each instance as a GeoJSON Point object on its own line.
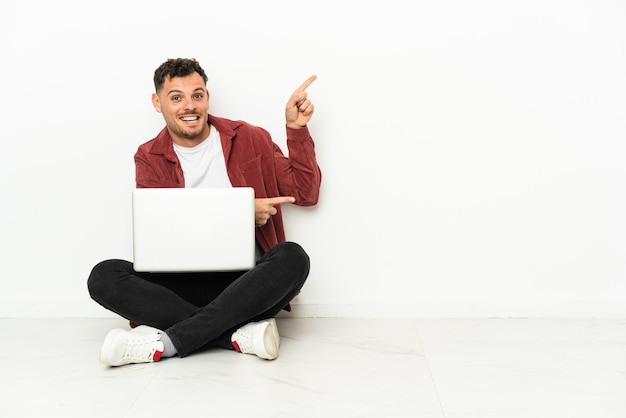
{"type": "Point", "coordinates": [472, 151]}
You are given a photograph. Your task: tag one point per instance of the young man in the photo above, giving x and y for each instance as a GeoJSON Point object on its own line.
{"type": "Point", "coordinates": [180, 313]}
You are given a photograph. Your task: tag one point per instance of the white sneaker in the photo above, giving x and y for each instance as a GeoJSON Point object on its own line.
{"type": "Point", "coordinates": [139, 345]}
{"type": "Point", "coordinates": [259, 338]}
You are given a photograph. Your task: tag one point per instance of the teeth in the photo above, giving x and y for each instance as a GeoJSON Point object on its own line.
{"type": "Point", "coordinates": [189, 118]}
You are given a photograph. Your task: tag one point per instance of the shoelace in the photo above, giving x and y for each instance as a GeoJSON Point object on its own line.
{"type": "Point", "coordinates": [244, 341]}
{"type": "Point", "coordinates": [141, 348]}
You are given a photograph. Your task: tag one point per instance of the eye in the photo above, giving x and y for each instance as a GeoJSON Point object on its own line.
{"type": "Point", "coordinates": [175, 98]}
{"type": "Point", "coordinates": [198, 96]}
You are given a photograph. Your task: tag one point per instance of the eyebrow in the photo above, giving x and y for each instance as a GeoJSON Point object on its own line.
{"type": "Point", "coordinates": [177, 91]}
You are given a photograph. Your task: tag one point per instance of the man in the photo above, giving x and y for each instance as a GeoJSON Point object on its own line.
{"type": "Point", "coordinates": [180, 313]}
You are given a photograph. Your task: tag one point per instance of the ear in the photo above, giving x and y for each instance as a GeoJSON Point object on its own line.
{"type": "Point", "coordinates": [156, 102]}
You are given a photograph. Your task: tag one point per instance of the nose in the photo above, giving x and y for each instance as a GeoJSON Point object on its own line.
{"type": "Point", "coordinates": [189, 104]}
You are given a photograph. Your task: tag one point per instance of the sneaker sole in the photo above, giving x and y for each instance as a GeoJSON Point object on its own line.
{"type": "Point", "coordinates": [271, 341]}
{"type": "Point", "coordinates": [106, 346]}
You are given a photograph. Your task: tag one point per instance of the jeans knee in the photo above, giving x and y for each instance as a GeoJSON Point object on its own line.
{"type": "Point", "coordinates": [293, 251]}
{"type": "Point", "coordinates": [100, 279]}
{"type": "Point", "coordinates": [294, 258]}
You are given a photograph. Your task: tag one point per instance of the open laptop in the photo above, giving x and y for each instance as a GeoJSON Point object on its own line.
{"type": "Point", "coordinates": [191, 230]}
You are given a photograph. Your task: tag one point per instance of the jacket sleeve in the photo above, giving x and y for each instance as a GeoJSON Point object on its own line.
{"type": "Point", "coordinates": [299, 174]}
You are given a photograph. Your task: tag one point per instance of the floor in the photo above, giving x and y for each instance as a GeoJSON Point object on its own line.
{"type": "Point", "coordinates": [431, 368]}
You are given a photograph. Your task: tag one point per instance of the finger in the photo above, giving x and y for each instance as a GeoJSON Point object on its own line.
{"type": "Point", "coordinates": [302, 104]}
{"type": "Point", "coordinates": [306, 84]}
{"type": "Point", "coordinates": [280, 199]}
{"type": "Point", "coordinates": [297, 99]}
{"type": "Point", "coordinates": [310, 109]}
{"type": "Point", "coordinates": [306, 107]}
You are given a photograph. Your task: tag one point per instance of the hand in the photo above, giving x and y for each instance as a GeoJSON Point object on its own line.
{"type": "Point", "coordinates": [299, 109]}
{"type": "Point", "coordinates": [264, 208]}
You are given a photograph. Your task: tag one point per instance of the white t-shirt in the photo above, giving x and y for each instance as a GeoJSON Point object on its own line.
{"type": "Point", "coordinates": [204, 165]}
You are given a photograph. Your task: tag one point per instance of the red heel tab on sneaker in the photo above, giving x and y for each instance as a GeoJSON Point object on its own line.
{"type": "Point", "coordinates": [157, 355]}
{"type": "Point", "coordinates": [236, 346]}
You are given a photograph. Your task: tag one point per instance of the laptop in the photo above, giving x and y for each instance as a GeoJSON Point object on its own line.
{"type": "Point", "coordinates": [193, 230]}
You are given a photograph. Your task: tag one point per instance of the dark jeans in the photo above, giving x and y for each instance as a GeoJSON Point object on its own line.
{"type": "Point", "coordinates": [199, 310]}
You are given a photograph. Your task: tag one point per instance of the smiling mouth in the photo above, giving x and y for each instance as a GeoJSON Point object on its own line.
{"type": "Point", "coordinates": [189, 118]}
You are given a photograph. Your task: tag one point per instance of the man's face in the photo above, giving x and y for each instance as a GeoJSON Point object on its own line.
{"type": "Point", "coordinates": [184, 103]}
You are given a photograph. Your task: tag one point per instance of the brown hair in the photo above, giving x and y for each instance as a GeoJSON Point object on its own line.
{"type": "Point", "coordinates": [177, 67]}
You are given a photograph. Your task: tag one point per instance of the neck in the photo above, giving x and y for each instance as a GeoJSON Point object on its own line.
{"type": "Point", "coordinates": [181, 141]}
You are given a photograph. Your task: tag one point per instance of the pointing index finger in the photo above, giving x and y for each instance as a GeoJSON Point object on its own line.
{"type": "Point", "coordinates": [281, 199]}
{"type": "Point", "coordinates": [306, 84]}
